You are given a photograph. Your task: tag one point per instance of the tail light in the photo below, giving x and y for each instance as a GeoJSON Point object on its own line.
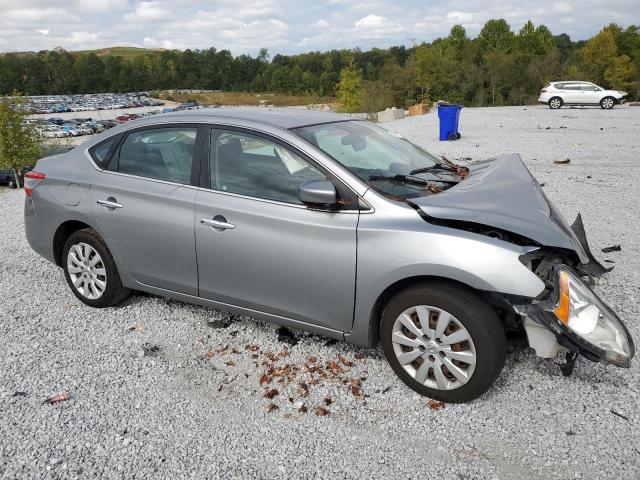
{"type": "Point", "coordinates": [31, 181]}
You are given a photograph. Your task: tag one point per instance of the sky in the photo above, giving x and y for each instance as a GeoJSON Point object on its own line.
{"type": "Point", "coordinates": [283, 26]}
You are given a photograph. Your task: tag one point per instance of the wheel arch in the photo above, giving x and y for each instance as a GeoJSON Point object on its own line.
{"type": "Point", "coordinates": [391, 290]}
{"type": "Point", "coordinates": [62, 233]}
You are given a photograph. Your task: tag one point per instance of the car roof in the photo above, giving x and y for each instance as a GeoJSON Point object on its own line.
{"type": "Point", "coordinates": [278, 116]}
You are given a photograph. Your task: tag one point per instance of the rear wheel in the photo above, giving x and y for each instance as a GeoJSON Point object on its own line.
{"type": "Point", "coordinates": [607, 103]}
{"type": "Point", "coordinates": [11, 184]}
{"type": "Point", "coordinates": [91, 271]}
{"type": "Point", "coordinates": [443, 341]}
{"type": "Point", "coordinates": [555, 103]}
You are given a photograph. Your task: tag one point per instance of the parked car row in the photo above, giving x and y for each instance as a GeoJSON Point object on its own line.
{"type": "Point", "coordinates": [87, 102]}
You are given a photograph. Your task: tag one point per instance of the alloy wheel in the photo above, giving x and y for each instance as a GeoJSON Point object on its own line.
{"type": "Point", "coordinates": [434, 347]}
{"type": "Point", "coordinates": [87, 271]}
{"type": "Point", "coordinates": [607, 103]}
{"type": "Point", "coordinates": [555, 103]}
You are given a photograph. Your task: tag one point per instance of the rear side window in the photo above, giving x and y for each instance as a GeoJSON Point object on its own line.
{"type": "Point", "coordinates": [102, 152]}
{"type": "Point", "coordinates": [159, 153]}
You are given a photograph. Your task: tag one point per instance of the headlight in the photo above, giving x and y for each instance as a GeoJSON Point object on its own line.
{"type": "Point", "coordinates": [595, 326]}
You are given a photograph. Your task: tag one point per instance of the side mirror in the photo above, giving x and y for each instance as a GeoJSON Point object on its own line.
{"type": "Point", "coordinates": [317, 193]}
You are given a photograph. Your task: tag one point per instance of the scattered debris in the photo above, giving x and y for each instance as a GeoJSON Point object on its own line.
{"type": "Point", "coordinates": [562, 162]}
{"type": "Point", "coordinates": [609, 261]}
{"type": "Point", "coordinates": [55, 398]}
{"type": "Point", "coordinates": [543, 184]}
{"type": "Point", "coordinates": [321, 411]}
{"type": "Point", "coordinates": [588, 176]}
{"type": "Point", "coordinates": [612, 248]}
{"type": "Point", "coordinates": [252, 347]}
{"type": "Point", "coordinates": [150, 350]}
{"type": "Point", "coordinates": [386, 389]}
{"type": "Point", "coordinates": [264, 378]}
{"type": "Point", "coordinates": [218, 323]}
{"type": "Point", "coordinates": [303, 408]}
{"type": "Point", "coordinates": [272, 407]}
{"type": "Point", "coordinates": [435, 404]}
{"type": "Point", "coordinates": [617, 414]}
{"type": "Point", "coordinates": [328, 401]}
{"type": "Point", "coordinates": [359, 356]}
{"type": "Point", "coordinates": [286, 336]}
{"type": "Point", "coordinates": [19, 394]}
{"type": "Point", "coordinates": [345, 361]}
{"type": "Point", "coordinates": [271, 393]}
{"type": "Point", "coordinates": [230, 363]}
{"type": "Point", "coordinates": [331, 341]}
{"type": "Point", "coordinates": [570, 433]}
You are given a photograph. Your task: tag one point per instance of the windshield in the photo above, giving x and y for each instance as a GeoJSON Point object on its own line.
{"type": "Point", "coordinates": [386, 161]}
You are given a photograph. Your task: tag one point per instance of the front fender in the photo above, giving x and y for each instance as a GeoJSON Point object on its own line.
{"type": "Point", "coordinates": [405, 247]}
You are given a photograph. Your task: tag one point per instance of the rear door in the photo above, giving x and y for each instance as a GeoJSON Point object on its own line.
{"type": "Point", "coordinates": [144, 204]}
{"type": "Point", "coordinates": [259, 247]}
{"type": "Point", "coordinates": [571, 93]}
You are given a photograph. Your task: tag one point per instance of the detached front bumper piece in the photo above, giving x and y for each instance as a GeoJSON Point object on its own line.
{"type": "Point", "coordinates": [581, 321]}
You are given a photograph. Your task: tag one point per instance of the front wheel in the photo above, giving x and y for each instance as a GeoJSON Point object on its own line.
{"type": "Point", "coordinates": [607, 103]}
{"type": "Point", "coordinates": [11, 184]}
{"type": "Point", "coordinates": [91, 271]}
{"type": "Point", "coordinates": [443, 341]}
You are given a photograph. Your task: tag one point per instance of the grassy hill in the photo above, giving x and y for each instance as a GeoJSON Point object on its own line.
{"type": "Point", "coordinates": [124, 52]}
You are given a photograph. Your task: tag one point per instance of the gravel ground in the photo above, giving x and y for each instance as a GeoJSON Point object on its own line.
{"type": "Point", "coordinates": [160, 389]}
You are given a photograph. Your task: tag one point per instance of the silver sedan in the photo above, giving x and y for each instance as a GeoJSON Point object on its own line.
{"type": "Point", "coordinates": [332, 225]}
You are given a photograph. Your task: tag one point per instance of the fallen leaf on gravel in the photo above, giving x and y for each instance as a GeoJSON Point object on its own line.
{"type": "Point", "coordinates": [272, 407]}
{"type": "Point", "coordinates": [57, 398]}
{"type": "Point", "coordinates": [303, 408]}
{"type": "Point", "coordinates": [358, 356]}
{"type": "Point", "coordinates": [356, 391]}
{"type": "Point", "coordinates": [345, 361]}
{"type": "Point", "coordinates": [252, 347]}
{"type": "Point", "coordinates": [264, 378]}
{"type": "Point", "coordinates": [230, 363]}
{"type": "Point", "coordinates": [210, 354]}
{"type": "Point", "coordinates": [303, 389]}
{"type": "Point", "coordinates": [334, 367]}
{"type": "Point", "coordinates": [271, 393]}
{"type": "Point", "coordinates": [321, 411]}
{"type": "Point", "coordinates": [328, 401]}
{"type": "Point", "coordinates": [312, 359]}
{"type": "Point", "coordinates": [435, 404]}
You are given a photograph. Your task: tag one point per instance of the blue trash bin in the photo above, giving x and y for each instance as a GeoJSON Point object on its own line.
{"type": "Point", "coordinates": [449, 116]}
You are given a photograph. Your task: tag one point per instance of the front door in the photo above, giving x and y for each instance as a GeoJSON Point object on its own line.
{"type": "Point", "coordinates": [144, 205]}
{"type": "Point", "coordinates": [259, 247]}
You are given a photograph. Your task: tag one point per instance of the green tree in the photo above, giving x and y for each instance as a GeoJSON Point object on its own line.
{"type": "Point", "coordinates": [619, 72]}
{"type": "Point", "coordinates": [19, 143]}
{"type": "Point", "coordinates": [350, 89]}
{"type": "Point", "coordinates": [598, 53]}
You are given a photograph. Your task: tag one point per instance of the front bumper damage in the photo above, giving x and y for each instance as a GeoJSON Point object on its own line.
{"type": "Point", "coordinates": [546, 333]}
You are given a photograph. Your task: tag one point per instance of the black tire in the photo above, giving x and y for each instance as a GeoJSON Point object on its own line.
{"type": "Point", "coordinates": [608, 103]}
{"type": "Point", "coordinates": [481, 322]}
{"type": "Point", "coordinates": [458, 136]}
{"type": "Point", "coordinates": [452, 136]}
{"type": "Point", "coordinates": [555, 103]}
{"type": "Point", "coordinates": [114, 291]}
{"type": "Point", "coordinates": [11, 184]}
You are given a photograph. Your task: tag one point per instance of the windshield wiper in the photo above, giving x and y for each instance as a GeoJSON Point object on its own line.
{"type": "Point", "coordinates": [409, 179]}
{"type": "Point", "coordinates": [436, 166]}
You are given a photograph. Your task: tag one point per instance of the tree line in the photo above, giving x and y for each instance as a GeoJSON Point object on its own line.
{"type": "Point", "coordinates": [498, 67]}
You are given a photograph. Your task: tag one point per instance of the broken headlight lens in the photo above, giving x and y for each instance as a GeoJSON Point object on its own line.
{"type": "Point", "coordinates": [595, 326]}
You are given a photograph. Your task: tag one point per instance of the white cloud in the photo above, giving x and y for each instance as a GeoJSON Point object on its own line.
{"type": "Point", "coordinates": [459, 17]}
{"type": "Point", "coordinates": [44, 31]}
{"type": "Point", "coordinates": [149, 11]}
{"type": "Point", "coordinates": [321, 24]}
{"type": "Point", "coordinates": [371, 21]}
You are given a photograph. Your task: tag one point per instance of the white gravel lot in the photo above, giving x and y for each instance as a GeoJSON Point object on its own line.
{"type": "Point", "coordinates": [195, 409]}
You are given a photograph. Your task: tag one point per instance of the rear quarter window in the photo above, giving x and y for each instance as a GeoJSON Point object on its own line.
{"type": "Point", "coordinates": [101, 153]}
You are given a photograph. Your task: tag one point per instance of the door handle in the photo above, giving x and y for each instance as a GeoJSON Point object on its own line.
{"type": "Point", "coordinates": [218, 223]}
{"type": "Point", "coordinates": [109, 203]}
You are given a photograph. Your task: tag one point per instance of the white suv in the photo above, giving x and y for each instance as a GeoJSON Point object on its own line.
{"type": "Point", "coordinates": [556, 94]}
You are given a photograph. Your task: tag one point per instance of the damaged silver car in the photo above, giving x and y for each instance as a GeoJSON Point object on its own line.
{"type": "Point", "coordinates": [332, 225]}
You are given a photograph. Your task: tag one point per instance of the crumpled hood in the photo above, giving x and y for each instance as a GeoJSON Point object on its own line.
{"type": "Point", "coordinates": [502, 193]}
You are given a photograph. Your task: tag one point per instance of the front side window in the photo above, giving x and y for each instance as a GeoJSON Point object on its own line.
{"type": "Point", "coordinates": [382, 159]}
{"type": "Point", "coordinates": [587, 87]}
{"type": "Point", "coordinates": [159, 153]}
{"type": "Point", "coordinates": [255, 166]}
